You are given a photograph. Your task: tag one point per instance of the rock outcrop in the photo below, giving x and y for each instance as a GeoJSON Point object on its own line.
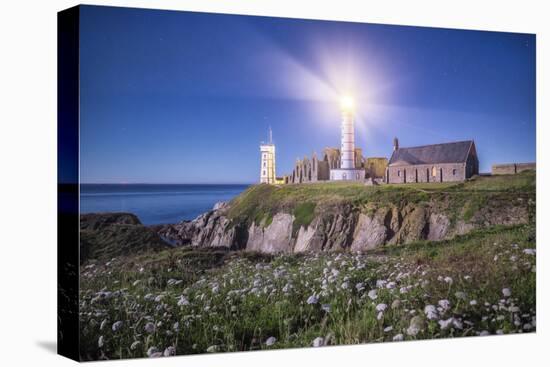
{"type": "Point", "coordinates": [342, 227]}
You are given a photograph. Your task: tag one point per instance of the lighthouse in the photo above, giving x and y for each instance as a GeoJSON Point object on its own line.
{"type": "Point", "coordinates": [267, 169]}
{"type": "Point", "coordinates": [347, 170]}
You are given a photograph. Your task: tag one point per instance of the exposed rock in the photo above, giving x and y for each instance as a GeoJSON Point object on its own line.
{"type": "Point", "coordinates": [340, 226]}
{"type": "Point", "coordinates": [211, 229]}
{"type": "Point", "coordinates": [304, 239]}
{"type": "Point", "coordinates": [370, 232]}
{"type": "Point", "coordinates": [277, 237]}
{"type": "Point", "coordinates": [414, 225]}
{"type": "Point", "coordinates": [220, 205]}
{"type": "Point", "coordinates": [438, 226]}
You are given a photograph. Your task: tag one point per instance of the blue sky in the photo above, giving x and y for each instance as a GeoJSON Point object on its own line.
{"type": "Point", "coordinates": [178, 97]}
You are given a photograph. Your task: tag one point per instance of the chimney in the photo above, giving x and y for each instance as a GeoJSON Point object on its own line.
{"type": "Point", "coordinates": [395, 144]}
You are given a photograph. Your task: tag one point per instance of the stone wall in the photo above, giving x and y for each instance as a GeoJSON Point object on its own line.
{"type": "Point", "coordinates": [376, 167]}
{"type": "Point", "coordinates": [511, 168]}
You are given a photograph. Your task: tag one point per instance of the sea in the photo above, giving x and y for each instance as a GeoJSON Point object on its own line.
{"type": "Point", "coordinates": [156, 203]}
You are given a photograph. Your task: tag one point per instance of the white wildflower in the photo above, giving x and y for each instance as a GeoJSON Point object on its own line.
{"type": "Point", "coordinates": [444, 304]}
{"type": "Point", "coordinates": [445, 324]}
{"type": "Point", "coordinates": [100, 341]}
{"type": "Point", "coordinates": [116, 326]}
{"type": "Point", "coordinates": [213, 349]}
{"type": "Point", "coordinates": [372, 294]}
{"type": "Point", "coordinates": [150, 328]}
{"type": "Point", "coordinates": [381, 307]}
{"type": "Point", "coordinates": [398, 338]}
{"type": "Point", "coordinates": [312, 300]}
{"type": "Point", "coordinates": [183, 301]}
{"type": "Point", "coordinates": [431, 312]}
{"type": "Point", "coordinates": [506, 292]}
{"type": "Point", "coordinates": [170, 351]}
{"type": "Point", "coordinates": [270, 341]}
{"type": "Point", "coordinates": [153, 352]}
{"type": "Point", "coordinates": [388, 329]}
{"type": "Point", "coordinates": [318, 342]}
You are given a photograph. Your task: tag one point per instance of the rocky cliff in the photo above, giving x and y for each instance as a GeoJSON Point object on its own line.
{"type": "Point", "coordinates": [332, 216]}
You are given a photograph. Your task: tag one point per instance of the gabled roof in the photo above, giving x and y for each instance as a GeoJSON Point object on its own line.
{"type": "Point", "coordinates": [456, 152]}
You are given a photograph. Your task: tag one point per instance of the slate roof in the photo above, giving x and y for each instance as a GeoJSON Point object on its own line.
{"type": "Point", "coordinates": [455, 152]}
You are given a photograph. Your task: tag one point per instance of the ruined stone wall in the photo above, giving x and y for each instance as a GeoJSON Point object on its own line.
{"type": "Point", "coordinates": [376, 167]}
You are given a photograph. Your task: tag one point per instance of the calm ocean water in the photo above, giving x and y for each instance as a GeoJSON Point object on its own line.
{"type": "Point", "coordinates": [155, 204]}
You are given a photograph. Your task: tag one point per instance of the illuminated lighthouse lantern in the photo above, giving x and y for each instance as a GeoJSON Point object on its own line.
{"type": "Point", "coordinates": [347, 170]}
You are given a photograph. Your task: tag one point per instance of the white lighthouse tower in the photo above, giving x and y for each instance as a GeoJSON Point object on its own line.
{"type": "Point", "coordinates": [267, 169]}
{"type": "Point", "coordinates": [347, 170]}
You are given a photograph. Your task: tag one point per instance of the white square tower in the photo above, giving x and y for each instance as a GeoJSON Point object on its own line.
{"type": "Point", "coordinates": [267, 169]}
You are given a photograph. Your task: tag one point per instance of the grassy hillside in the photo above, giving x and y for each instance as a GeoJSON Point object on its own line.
{"type": "Point", "coordinates": [260, 202]}
{"type": "Point", "coordinates": [190, 300]}
{"type": "Point", "coordinates": [184, 301]}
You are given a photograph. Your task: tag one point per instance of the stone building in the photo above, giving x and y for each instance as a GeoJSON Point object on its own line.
{"type": "Point", "coordinates": [447, 162]}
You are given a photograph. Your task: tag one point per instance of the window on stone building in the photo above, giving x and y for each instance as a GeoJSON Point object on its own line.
{"type": "Point", "coordinates": [398, 173]}
{"type": "Point", "coordinates": [434, 171]}
{"type": "Point", "coordinates": [454, 171]}
{"type": "Point", "coordinates": [264, 172]}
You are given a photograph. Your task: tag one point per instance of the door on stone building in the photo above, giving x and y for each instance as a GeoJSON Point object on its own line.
{"type": "Point", "coordinates": [416, 175]}
{"type": "Point", "coordinates": [404, 176]}
{"type": "Point", "coordinates": [441, 175]}
{"type": "Point", "coordinates": [427, 175]}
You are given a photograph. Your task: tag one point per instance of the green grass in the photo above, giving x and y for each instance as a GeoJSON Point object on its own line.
{"type": "Point", "coordinates": [260, 203]}
{"type": "Point", "coordinates": [239, 299]}
{"type": "Point", "coordinates": [303, 215]}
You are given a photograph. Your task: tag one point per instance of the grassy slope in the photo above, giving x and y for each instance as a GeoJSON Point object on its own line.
{"type": "Point", "coordinates": [260, 202]}
{"type": "Point", "coordinates": [238, 300]}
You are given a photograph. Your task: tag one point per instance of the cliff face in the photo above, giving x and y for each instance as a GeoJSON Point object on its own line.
{"type": "Point", "coordinates": [356, 218]}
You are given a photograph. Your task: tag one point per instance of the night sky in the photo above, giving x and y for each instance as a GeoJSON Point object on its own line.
{"type": "Point", "coordinates": [176, 97]}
